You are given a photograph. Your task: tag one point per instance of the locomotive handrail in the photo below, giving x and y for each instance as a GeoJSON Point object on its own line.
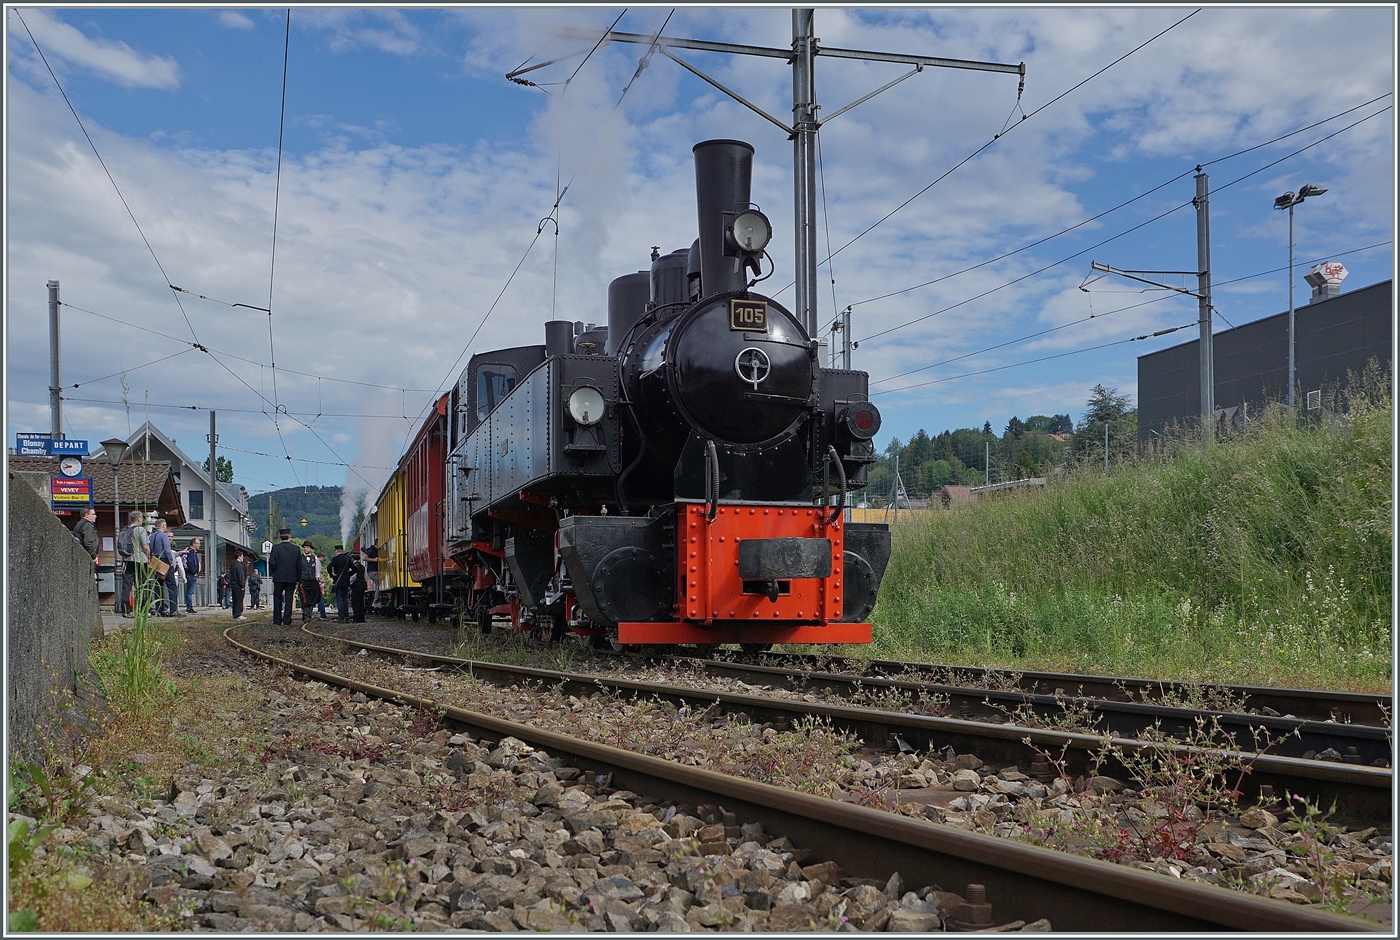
{"type": "Point", "coordinates": [711, 481]}
{"type": "Point", "coordinates": [840, 507]}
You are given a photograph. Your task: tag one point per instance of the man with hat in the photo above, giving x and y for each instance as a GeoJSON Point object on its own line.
{"type": "Point", "coordinates": [282, 565]}
{"type": "Point", "coordinates": [355, 578]}
{"type": "Point", "coordinates": [340, 580]}
{"type": "Point", "coordinates": [309, 573]}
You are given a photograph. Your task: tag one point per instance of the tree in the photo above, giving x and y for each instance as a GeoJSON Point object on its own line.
{"type": "Point", "coordinates": [1038, 423]}
{"type": "Point", "coordinates": [987, 427]}
{"type": "Point", "coordinates": [1106, 409]}
{"type": "Point", "coordinates": [1025, 466]}
{"type": "Point", "coordinates": [1105, 404]}
{"type": "Point", "coordinates": [1060, 424]}
{"type": "Point", "coordinates": [919, 451]}
{"type": "Point", "coordinates": [1014, 428]}
{"type": "Point", "coordinates": [225, 469]}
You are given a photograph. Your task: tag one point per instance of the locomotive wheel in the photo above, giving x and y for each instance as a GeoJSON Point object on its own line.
{"type": "Point", "coordinates": [755, 647]}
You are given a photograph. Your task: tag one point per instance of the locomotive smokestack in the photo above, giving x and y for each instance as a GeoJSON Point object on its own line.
{"type": "Point", "coordinates": [723, 173]}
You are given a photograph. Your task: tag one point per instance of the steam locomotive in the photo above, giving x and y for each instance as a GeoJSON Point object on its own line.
{"type": "Point", "coordinates": [677, 476]}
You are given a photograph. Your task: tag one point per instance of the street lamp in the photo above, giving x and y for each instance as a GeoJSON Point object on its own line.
{"type": "Point", "coordinates": [1287, 201]}
{"type": "Point", "coordinates": [116, 449]}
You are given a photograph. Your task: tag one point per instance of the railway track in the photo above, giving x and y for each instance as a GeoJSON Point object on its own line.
{"type": "Point", "coordinates": [1285, 735]}
{"type": "Point", "coordinates": [1360, 794]}
{"type": "Point", "coordinates": [1362, 708]}
{"type": "Point", "coordinates": [1021, 882]}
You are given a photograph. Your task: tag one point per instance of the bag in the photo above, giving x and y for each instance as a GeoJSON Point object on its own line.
{"type": "Point", "coordinates": [179, 567]}
{"type": "Point", "coordinates": [126, 544]}
{"type": "Point", "coordinates": [159, 568]}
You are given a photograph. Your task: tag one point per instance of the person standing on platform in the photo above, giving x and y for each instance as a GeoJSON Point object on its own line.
{"type": "Point", "coordinates": [340, 582]}
{"type": "Point", "coordinates": [309, 573]}
{"type": "Point", "coordinates": [192, 568]}
{"type": "Point", "coordinates": [282, 567]}
{"type": "Point", "coordinates": [324, 585]}
{"type": "Point", "coordinates": [355, 581]}
{"type": "Point", "coordinates": [163, 551]}
{"type": "Point", "coordinates": [237, 581]}
{"type": "Point", "coordinates": [86, 534]}
{"type": "Point", "coordinates": [254, 588]}
{"type": "Point", "coordinates": [132, 546]}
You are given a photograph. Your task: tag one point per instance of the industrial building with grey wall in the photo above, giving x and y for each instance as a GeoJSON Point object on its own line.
{"type": "Point", "coordinates": [1335, 334]}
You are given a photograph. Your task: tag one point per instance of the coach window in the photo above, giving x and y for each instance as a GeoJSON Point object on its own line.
{"type": "Point", "coordinates": [493, 383]}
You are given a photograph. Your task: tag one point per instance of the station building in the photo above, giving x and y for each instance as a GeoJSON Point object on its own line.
{"type": "Point", "coordinates": [1336, 333]}
{"type": "Point", "coordinates": [155, 476]}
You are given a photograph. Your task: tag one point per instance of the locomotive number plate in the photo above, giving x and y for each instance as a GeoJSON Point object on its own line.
{"type": "Point", "coordinates": [750, 315]}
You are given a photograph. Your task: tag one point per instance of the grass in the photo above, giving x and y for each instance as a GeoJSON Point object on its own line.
{"type": "Point", "coordinates": [1262, 560]}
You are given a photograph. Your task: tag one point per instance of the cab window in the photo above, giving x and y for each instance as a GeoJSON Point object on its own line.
{"type": "Point", "coordinates": [493, 383]}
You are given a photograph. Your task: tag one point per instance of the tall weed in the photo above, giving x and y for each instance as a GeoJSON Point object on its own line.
{"type": "Point", "coordinates": [129, 665]}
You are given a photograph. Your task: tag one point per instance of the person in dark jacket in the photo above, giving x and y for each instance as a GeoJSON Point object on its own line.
{"type": "Point", "coordinates": [237, 581]}
{"type": "Point", "coordinates": [254, 589]}
{"type": "Point", "coordinates": [282, 567]}
{"type": "Point", "coordinates": [355, 579]}
{"type": "Point", "coordinates": [340, 580]}
{"type": "Point", "coordinates": [86, 533]}
{"type": "Point", "coordinates": [223, 588]}
{"type": "Point", "coordinates": [192, 569]}
{"type": "Point", "coordinates": [309, 573]}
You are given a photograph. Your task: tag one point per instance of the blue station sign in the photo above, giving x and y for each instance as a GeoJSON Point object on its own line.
{"type": "Point", "coordinates": [68, 446]}
{"type": "Point", "coordinates": [33, 444]}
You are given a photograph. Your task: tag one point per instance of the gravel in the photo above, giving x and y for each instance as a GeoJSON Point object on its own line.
{"type": "Point", "coordinates": [371, 819]}
{"type": "Point", "coordinates": [1253, 852]}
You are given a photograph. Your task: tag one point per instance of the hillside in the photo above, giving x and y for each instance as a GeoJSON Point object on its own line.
{"type": "Point", "coordinates": [318, 505]}
{"type": "Point", "coordinates": [1265, 560]}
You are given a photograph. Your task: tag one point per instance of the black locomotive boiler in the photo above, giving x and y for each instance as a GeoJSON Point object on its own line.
{"type": "Point", "coordinates": [676, 476]}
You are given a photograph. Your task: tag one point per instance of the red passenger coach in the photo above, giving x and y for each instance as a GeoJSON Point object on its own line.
{"type": "Point", "coordinates": [423, 467]}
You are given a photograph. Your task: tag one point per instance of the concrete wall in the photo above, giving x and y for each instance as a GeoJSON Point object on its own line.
{"type": "Point", "coordinates": [52, 616]}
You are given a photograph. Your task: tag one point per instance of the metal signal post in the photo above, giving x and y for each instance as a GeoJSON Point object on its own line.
{"type": "Point", "coordinates": [803, 132]}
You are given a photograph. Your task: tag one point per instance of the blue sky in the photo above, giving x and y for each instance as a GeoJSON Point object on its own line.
{"type": "Point", "coordinates": [414, 177]}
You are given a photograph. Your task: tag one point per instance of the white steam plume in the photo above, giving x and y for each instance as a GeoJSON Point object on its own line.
{"type": "Point", "coordinates": [377, 443]}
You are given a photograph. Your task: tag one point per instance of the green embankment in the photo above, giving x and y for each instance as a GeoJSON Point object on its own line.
{"type": "Point", "coordinates": [1265, 560]}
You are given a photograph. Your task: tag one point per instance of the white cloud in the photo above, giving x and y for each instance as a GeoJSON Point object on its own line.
{"type": "Point", "coordinates": [234, 20]}
{"type": "Point", "coordinates": [384, 30]}
{"type": "Point", "coordinates": [110, 59]}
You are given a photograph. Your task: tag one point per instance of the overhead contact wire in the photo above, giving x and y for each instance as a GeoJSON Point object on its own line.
{"type": "Point", "coordinates": [1100, 316]}
{"type": "Point", "coordinates": [1155, 218]}
{"type": "Point", "coordinates": [1002, 134]}
{"type": "Point", "coordinates": [272, 266]}
{"type": "Point", "coordinates": [1122, 205]}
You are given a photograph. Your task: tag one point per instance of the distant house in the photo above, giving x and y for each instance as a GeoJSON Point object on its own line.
{"type": "Point", "coordinates": [954, 496]}
{"type": "Point", "coordinates": [226, 506]}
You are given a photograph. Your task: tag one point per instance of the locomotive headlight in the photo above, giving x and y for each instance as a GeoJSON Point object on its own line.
{"type": "Point", "coordinates": [862, 420]}
{"type": "Point", "coordinates": [751, 231]}
{"type": "Point", "coordinates": [586, 405]}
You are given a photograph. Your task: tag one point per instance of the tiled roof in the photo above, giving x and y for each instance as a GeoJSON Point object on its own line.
{"type": "Point", "coordinates": [141, 482]}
